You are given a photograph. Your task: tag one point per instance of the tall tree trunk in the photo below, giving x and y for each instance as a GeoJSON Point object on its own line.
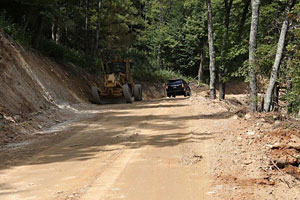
{"type": "Point", "coordinates": [280, 47]}
{"type": "Point", "coordinates": [38, 32]}
{"type": "Point", "coordinates": [56, 31]}
{"type": "Point", "coordinates": [244, 17]}
{"type": "Point", "coordinates": [26, 25]}
{"type": "Point", "coordinates": [96, 44]}
{"type": "Point", "coordinates": [212, 57]}
{"type": "Point", "coordinates": [223, 68]}
{"type": "Point", "coordinates": [58, 34]}
{"type": "Point", "coordinates": [53, 31]}
{"type": "Point", "coordinates": [87, 27]}
{"type": "Point", "coordinates": [252, 56]}
{"type": "Point", "coordinates": [201, 70]}
{"type": "Point", "coordinates": [275, 98]}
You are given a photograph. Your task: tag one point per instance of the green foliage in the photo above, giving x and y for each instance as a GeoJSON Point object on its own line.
{"type": "Point", "coordinates": [148, 74]}
{"type": "Point", "coordinates": [56, 51]}
{"type": "Point", "coordinates": [174, 35]}
{"type": "Point", "coordinates": [13, 29]}
{"type": "Point", "coordinates": [290, 69]}
{"type": "Point", "coordinates": [163, 38]}
{"type": "Point", "coordinates": [70, 56]}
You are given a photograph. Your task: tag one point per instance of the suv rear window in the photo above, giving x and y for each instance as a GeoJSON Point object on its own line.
{"type": "Point", "coordinates": [174, 82]}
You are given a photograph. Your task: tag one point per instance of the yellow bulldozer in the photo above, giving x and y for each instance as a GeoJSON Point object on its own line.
{"type": "Point", "coordinates": [117, 85]}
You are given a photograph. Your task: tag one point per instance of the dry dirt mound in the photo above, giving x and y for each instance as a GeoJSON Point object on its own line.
{"type": "Point", "coordinates": [153, 90]}
{"type": "Point", "coordinates": [259, 159]}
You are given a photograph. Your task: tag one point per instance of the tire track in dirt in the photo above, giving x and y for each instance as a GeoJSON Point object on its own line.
{"type": "Point", "coordinates": [135, 152]}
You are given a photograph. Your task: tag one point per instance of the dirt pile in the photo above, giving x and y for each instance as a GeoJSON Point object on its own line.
{"type": "Point", "coordinates": [153, 90]}
{"type": "Point", "coordinates": [284, 152]}
{"type": "Point", "coordinates": [260, 158]}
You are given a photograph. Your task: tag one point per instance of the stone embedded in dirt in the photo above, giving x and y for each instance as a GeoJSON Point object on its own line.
{"type": "Point", "coordinates": [17, 117]}
{"type": "Point", "coordinates": [277, 122]}
{"type": "Point", "coordinates": [247, 116]}
{"type": "Point", "coordinates": [191, 159]}
{"type": "Point", "coordinates": [219, 187]}
{"type": "Point", "coordinates": [247, 162]}
{"type": "Point", "coordinates": [212, 192]}
{"type": "Point", "coordinates": [8, 118]}
{"type": "Point", "coordinates": [235, 188]}
{"type": "Point", "coordinates": [250, 132]}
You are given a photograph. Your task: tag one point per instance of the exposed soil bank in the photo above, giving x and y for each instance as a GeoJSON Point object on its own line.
{"type": "Point", "coordinates": [34, 90]}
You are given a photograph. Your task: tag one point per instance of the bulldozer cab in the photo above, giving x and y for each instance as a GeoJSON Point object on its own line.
{"type": "Point", "coordinates": [116, 66]}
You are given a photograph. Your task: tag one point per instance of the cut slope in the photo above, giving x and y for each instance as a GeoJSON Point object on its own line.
{"type": "Point", "coordinates": [30, 82]}
{"type": "Point", "coordinates": [34, 90]}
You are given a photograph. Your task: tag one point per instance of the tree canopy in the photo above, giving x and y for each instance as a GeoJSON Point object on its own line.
{"type": "Point", "coordinates": [160, 35]}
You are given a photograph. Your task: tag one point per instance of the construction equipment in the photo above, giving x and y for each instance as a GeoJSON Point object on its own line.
{"type": "Point", "coordinates": [117, 84]}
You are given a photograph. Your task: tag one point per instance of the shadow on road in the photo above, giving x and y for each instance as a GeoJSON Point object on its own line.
{"type": "Point", "coordinates": [116, 125]}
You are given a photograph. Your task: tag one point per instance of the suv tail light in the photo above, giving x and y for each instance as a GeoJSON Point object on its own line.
{"type": "Point", "coordinates": [182, 85]}
{"type": "Point", "coordinates": [166, 86]}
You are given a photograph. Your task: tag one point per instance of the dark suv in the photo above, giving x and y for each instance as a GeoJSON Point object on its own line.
{"type": "Point", "coordinates": [177, 87]}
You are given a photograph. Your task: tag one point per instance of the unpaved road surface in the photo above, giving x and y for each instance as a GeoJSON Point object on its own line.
{"type": "Point", "coordinates": [156, 149]}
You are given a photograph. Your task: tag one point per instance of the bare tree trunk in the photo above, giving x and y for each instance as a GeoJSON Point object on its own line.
{"type": "Point", "coordinates": [53, 32]}
{"type": "Point", "coordinates": [212, 57]}
{"type": "Point", "coordinates": [275, 99]}
{"type": "Point", "coordinates": [244, 17]}
{"type": "Point", "coordinates": [26, 25]}
{"type": "Point", "coordinates": [252, 56]}
{"type": "Point", "coordinates": [221, 84]}
{"type": "Point", "coordinates": [262, 100]}
{"type": "Point", "coordinates": [222, 69]}
{"type": "Point", "coordinates": [201, 70]}
{"type": "Point", "coordinates": [280, 47]}
{"type": "Point", "coordinates": [58, 34]}
{"type": "Point", "coordinates": [38, 32]}
{"type": "Point", "coordinates": [87, 26]}
{"type": "Point", "coordinates": [97, 30]}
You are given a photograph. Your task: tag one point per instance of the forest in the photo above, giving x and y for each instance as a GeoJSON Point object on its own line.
{"type": "Point", "coordinates": [213, 41]}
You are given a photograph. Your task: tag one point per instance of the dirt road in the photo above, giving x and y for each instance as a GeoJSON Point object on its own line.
{"type": "Point", "coordinates": [151, 150]}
